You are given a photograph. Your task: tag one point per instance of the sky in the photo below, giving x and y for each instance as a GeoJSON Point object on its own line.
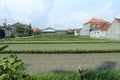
{"type": "Point", "coordinates": [59, 14]}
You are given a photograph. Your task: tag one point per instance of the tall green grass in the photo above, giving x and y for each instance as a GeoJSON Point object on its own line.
{"type": "Point", "coordinates": [64, 48]}
{"type": "Point", "coordinates": [58, 76]}
{"type": "Point", "coordinates": [89, 75]}
{"type": "Point", "coordinates": [55, 37]}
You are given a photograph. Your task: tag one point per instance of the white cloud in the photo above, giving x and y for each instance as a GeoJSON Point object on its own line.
{"type": "Point", "coordinates": [73, 20]}
{"type": "Point", "coordinates": [105, 11]}
{"type": "Point", "coordinates": [76, 19]}
{"type": "Point", "coordinates": [39, 12]}
{"type": "Point", "coordinates": [105, 7]}
{"type": "Point", "coordinates": [118, 16]}
{"type": "Point", "coordinates": [21, 10]}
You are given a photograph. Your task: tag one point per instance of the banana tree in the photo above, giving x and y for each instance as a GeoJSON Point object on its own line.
{"type": "Point", "coordinates": [10, 66]}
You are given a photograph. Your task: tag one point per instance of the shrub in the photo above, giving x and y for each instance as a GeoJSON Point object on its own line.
{"type": "Point", "coordinates": [9, 66]}
{"type": "Point", "coordinates": [102, 75]}
{"type": "Point", "coordinates": [10, 69]}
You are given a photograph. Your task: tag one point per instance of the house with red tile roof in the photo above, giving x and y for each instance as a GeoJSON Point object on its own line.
{"type": "Point", "coordinates": [91, 25]}
{"type": "Point", "coordinates": [95, 20]}
{"type": "Point", "coordinates": [100, 31]}
{"type": "Point", "coordinates": [114, 30]}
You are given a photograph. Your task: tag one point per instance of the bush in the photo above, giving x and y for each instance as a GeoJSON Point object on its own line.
{"type": "Point", "coordinates": [10, 69]}
{"type": "Point", "coordinates": [88, 75]}
{"type": "Point", "coordinates": [102, 75]}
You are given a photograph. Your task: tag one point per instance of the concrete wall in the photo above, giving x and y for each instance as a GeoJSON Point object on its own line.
{"type": "Point", "coordinates": [98, 34]}
{"type": "Point", "coordinates": [114, 31]}
{"type": "Point", "coordinates": [85, 31]}
{"type": "Point", "coordinates": [7, 33]}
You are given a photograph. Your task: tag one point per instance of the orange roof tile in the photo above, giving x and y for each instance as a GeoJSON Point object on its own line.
{"type": "Point", "coordinates": [103, 27]}
{"type": "Point", "coordinates": [35, 29]}
{"type": "Point", "coordinates": [95, 20]}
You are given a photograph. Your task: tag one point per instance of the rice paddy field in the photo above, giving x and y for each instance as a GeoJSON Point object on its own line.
{"type": "Point", "coordinates": [43, 63]}
{"type": "Point", "coordinates": [83, 46]}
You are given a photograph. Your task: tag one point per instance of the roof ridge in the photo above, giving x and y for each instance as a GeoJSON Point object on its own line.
{"type": "Point", "coordinates": [94, 20]}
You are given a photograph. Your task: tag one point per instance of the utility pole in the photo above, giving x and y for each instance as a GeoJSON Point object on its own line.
{"type": "Point", "coordinates": [5, 28]}
{"type": "Point", "coordinates": [5, 23]}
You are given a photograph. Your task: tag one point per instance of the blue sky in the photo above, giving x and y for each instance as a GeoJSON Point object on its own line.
{"type": "Point", "coordinates": [59, 14]}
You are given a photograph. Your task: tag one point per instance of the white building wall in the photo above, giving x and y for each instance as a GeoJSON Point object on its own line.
{"type": "Point", "coordinates": [114, 31]}
{"type": "Point", "coordinates": [103, 34]}
{"type": "Point", "coordinates": [7, 33]}
{"type": "Point", "coordinates": [85, 31]}
{"type": "Point", "coordinates": [98, 34]}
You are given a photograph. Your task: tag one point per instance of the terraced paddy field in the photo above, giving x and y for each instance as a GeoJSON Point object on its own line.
{"type": "Point", "coordinates": [74, 46]}
{"type": "Point", "coordinates": [45, 62]}
{"type": "Point", "coordinates": [42, 63]}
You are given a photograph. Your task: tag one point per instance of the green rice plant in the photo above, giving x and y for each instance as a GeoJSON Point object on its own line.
{"type": "Point", "coordinates": [60, 51]}
{"type": "Point", "coordinates": [26, 76]}
{"type": "Point", "coordinates": [2, 48]}
{"type": "Point", "coordinates": [102, 75]}
{"type": "Point", "coordinates": [55, 37]}
{"type": "Point", "coordinates": [87, 75]}
{"type": "Point", "coordinates": [58, 76]}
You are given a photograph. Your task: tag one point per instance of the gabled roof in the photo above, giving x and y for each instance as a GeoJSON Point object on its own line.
{"type": "Point", "coordinates": [21, 25]}
{"type": "Point", "coordinates": [103, 27]}
{"type": "Point", "coordinates": [95, 20]}
{"type": "Point", "coordinates": [118, 19]}
{"type": "Point", "coordinates": [18, 23]}
{"type": "Point", "coordinates": [49, 28]}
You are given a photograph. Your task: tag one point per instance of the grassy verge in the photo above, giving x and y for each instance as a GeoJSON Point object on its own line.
{"type": "Point", "coordinates": [58, 76]}
{"type": "Point", "coordinates": [89, 75]}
